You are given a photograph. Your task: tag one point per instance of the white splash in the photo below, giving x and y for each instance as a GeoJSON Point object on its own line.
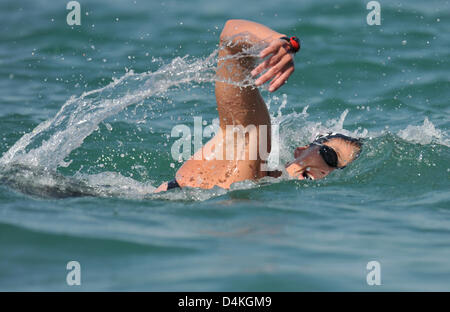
{"type": "Point", "coordinates": [424, 134]}
{"type": "Point", "coordinates": [298, 131]}
{"type": "Point", "coordinates": [115, 184]}
{"type": "Point", "coordinates": [53, 140]}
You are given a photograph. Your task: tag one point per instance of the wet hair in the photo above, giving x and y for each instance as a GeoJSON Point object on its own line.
{"type": "Point", "coordinates": [328, 154]}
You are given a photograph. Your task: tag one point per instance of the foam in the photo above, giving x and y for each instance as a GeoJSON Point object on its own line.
{"type": "Point", "coordinates": [424, 134]}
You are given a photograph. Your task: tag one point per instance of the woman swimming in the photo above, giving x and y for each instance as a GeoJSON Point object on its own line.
{"type": "Point", "coordinates": [225, 159]}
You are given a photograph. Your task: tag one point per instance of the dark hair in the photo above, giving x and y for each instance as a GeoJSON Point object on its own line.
{"type": "Point", "coordinates": [329, 154]}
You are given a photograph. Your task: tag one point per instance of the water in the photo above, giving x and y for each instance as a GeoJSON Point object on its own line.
{"type": "Point", "coordinates": [85, 128]}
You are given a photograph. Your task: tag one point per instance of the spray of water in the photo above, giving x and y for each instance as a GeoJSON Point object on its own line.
{"type": "Point", "coordinates": [53, 140]}
{"type": "Point", "coordinates": [424, 134]}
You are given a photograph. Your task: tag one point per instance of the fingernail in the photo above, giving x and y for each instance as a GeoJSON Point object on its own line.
{"type": "Point", "coordinates": [271, 89]}
{"type": "Point", "coordinates": [257, 82]}
{"type": "Point", "coordinates": [253, 73]}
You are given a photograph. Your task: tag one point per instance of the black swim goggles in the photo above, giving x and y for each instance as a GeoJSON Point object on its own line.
{"type": "Point", "coordinates": [328, 154]}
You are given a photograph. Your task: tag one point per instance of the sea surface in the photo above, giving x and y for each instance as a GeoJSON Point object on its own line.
{"type": "Point", "coordinates": [86, 115]}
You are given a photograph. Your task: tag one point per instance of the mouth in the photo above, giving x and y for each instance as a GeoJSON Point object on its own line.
{"type": "Point", "coordinates": [306, 176]}
{"type": "Point", "coordinates": [299, 172]}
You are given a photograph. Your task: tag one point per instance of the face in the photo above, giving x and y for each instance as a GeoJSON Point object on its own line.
{"type": "Point", "coordinates": [308, 164]}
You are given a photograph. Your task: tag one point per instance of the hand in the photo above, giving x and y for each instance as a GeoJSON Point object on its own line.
{"type": "Point", "coordinates": [280, 65]}
{"type": "Point", "coordinates": [161, 188]}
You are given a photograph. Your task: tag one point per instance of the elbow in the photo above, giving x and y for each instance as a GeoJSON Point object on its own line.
{"type": "Point", "coordinates": [231, 35]}
{"type": "Point", "coordinates": [229, 29]}
{"type": "Point", "coordinates": [230, 24]}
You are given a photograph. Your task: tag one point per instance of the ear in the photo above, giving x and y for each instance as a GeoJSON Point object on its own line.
{"type": "Point", "coordinates": [299, 150]}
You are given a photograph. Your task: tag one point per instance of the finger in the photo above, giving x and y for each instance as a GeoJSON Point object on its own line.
{"type": "Point", "coordinates": [280, 73]}
{"type": "Point", "coordinates": [272, 48]}
{"type": "Point", "coordinates": [278, 82]}
{"type": "Point", "coordinates": [260, 67]}
{"type": "Point", "coordinates": [276, 77]}
{"type": "Point", "coordinates": [268, 62]}
{"type": "Point", "coordinates": [274, 59]}
{"type": "Point", "coordinates": [273, 70]}
{"type": "Point", "coordinates": [281, 80]}
{"type": "Point", "coordinates": [163, 187]}
{"type": "Point", "coordinates": [267, 75]}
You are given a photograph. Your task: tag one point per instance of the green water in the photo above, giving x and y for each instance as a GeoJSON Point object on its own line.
{"type": "Point", "coordinates": [150, 66]}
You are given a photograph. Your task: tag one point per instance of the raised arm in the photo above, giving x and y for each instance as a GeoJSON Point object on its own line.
{"type": "Point", "coordinates": [238, 104]}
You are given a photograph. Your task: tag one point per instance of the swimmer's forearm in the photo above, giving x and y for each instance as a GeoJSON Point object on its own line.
{"type": "Point", "coordinates": [252, 32]}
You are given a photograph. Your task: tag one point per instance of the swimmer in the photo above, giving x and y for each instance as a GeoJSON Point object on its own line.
{"type": "Point", "coordinates": [243, 107]}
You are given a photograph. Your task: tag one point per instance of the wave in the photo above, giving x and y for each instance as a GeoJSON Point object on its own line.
{"type": "Point", "coordinates": [424, 134]}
